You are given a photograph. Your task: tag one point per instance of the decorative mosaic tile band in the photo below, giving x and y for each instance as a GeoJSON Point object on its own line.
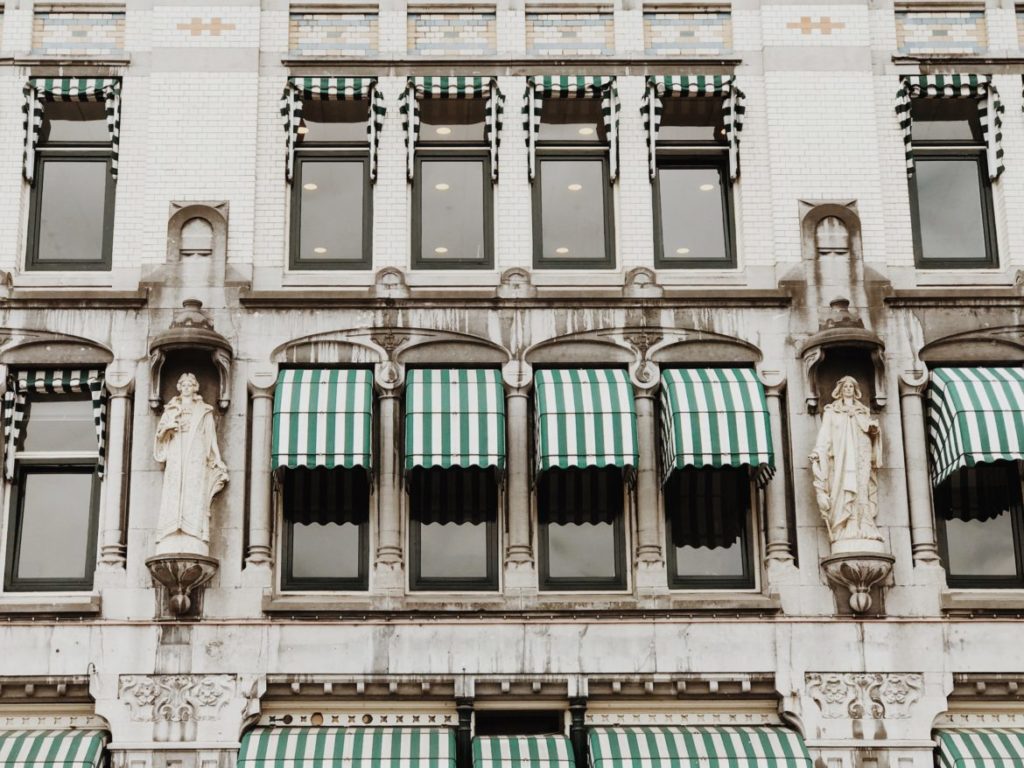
{"type": "Point", "coordinates": [581, 34]}
{"type": "Point", "coordinates": [89, 33]}
{"type": "Point", "coordinates": [941, 31]}
{"type": "Point", "coordinates": [672, 33]}
{"type": "Point", "coordinates": [333, 34]}
{"type": "Point", "coordinates": [462, 34]}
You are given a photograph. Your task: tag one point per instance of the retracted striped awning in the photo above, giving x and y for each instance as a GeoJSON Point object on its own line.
{"type": "Point", "coordinates": [522, 752]}
{"type": "Point", "coordinates": [585, 418]}
{"type": "Point", "coordinates": [53, 749]}
{"type": "Point", "coordinates": [322, 418]}
{"type": "Point", "coordinates": [707, 746]}
{"type": "Point", "coordinates": [353, 747]}
{"type": "Point", "coordinates": [454, 418]}
{"type": "Point", "coordinates": [715, 417]}
{"type": "Point", "coordinates": [975, 416]}
{"type": "Point", "coordinates": [977, 747]}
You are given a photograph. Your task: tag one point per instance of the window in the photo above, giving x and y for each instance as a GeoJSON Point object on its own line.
{"type": "Point", "coordinates": [693, 220]}
{"type": "Point", "coordinates": [54, 503]}
{"type": "Point", "coordinates": [331, 191]}
{"type": "Point", "coordinates": [72, 206]}
{"type": "Point", "coordinates": [452, 190]}
{"type": "Point", "coordinates": [572, 197]}
{"type": "Point", "coordinates": [708, 524]}
{"type": "Point", "coordinates": [454, 513]}
{"type": "Point", "coordinates": [580, 513]}
{"type": "Point", "coordinates": [980, 525]}
{"type": "Point", "coordinates": [326, 515]}
{"type": "Point", "coordinates": [517, 722]}
{"type": "Point", "coordinates": [950, 191]}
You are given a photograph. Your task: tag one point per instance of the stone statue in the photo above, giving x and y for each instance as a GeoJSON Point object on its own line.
{"type": "Point", "coordinates": [845, 462]}
{"type": "Point", "coordinates": [186, 444]}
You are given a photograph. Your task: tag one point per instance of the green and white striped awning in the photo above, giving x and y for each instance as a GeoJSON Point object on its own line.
{"type": "Point", "coordinates": [715, 417]}
{"type": "Point", "coordinates": [323, 418]}
{"type": "Point", "coordinates": [717, 746]}
{"type": "Point", "coordinates": [565, 87]}
{"type": "Point", "coordinates": [980, 87]}
{"type": "Point", "coordinates": [454, 418]}
{"type": "Point", "coordinates": [975, 416]}
{"type": "Point", "coordinates": [300, 89]}
{"type": "Point", "coordinates": [452, 88]}
{"type": "Point", "coordinates": [52, 749]}
{"type": "Point", "coordinates": [981, 747]}
{"type": "Point", "coordinates": [522, 752]}
{"type": "Point", "coordinates": [349, 747]}
{"type": "Point", "coordinates": [585, 418]}
{"type": "Point", "coordinates": [713, 86]}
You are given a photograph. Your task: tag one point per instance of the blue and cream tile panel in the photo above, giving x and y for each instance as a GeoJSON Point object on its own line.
{"type": "Point", "coordinates": [945, 31]}
{"type": "Point", "coordinates": [569, 34]}
{"type": "Point", "coordinates": [452, 33]}
{"type": "Point", "coordinates": [333, 34]}
{"type": "Point", "coordinates": [678, 33]}
{"type": "Point", "coordinates": [81, 33]}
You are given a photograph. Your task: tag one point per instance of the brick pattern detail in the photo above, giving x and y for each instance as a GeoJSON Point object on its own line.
{"type": "Point", "coordinates": [680, 33]}
{"type": "Point", "coordinates": [83, 34]}
{"type": "Point", "coordinates": [568, 34]}
{"type": "Point", "coordinates": [452, 34]}
{"type": "Point", "coordinates": [941, 31]}
{"type": "Point", "coordinates": [333, 34]}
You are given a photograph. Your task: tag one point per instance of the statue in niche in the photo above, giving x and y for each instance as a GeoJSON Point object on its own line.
{"type": "Point", "coordinates": [186, 444]}
{"type": "Point", "coordinates": [845, 462]}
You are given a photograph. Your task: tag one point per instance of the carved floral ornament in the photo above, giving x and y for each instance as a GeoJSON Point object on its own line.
{"type": "Point", "coordinates": [865, 695]}
{"type": "Point", "coordinates": [175, 698]}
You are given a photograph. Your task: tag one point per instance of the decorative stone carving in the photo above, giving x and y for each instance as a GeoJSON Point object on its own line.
{"type": "Point", "coordinates": [181, 575]}
{"type": "Point", "coordinates": [859, 695]}
{"type": "Point", "coordinates": [641, 283]}
{"type": "Point", "coordinates": [516, 283]}
{"type": "Point", "coordinates": [175, 703]}
{"type": "Point", "coordinates": [191, 329]}
{"type": "Point", "coordinates": [390, 283]}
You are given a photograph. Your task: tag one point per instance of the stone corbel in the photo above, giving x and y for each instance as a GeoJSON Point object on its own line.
{"type": "Point", "coordinates": [191, 329]}
{"type": "Point", "coordinates": [814, 354]}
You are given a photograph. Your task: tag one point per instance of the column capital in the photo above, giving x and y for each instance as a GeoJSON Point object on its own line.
{"type": "Point", "coordinates": [261, 381]}
{"type": "Point", "coordinates": [517, 376]}
{"type": "Point", "coordinates": [913, 382]}
{"type": "Point", "coordinates": [774, 382]}
{"type": "Point", "coordinates": [389, 378]}
{"type": "Point", "coordinates": [119, 379]}
{"type": "Point", "coordinates": [646, 378]}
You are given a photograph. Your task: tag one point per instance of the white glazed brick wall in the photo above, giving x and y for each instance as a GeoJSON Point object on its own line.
{"type": "Point", "coordinates": [271, 202]}
{"type": "Point", "coordinates": [1008, 192]}
{"type": "Point", "coordinates": [511, 32]}
{"type": "Point", "coordinates": [392, 196]}
{"type": "Point", "coordinates": [634, 220]}
{"type": "Point", "coordinates": [12, 188]}
{"type": "Point", "coordinates": [392, 28]}
{"type": "Point", "coordinates": [781, 25]}
{"type": "Point", "coordinates": [17, 30]}
{"type": "Point", "coordinates": [513, 228]}
{"type": "Point", "coordinates": [752, 194]}
{"type": "Point", "coordinates": [215, 26]}
{"type": "Point", "coordinates": [629, 31]}
{"type": "Point", "coordinates": [1002, 30]}
{"type": "Point", "coordinates": [895, 193]}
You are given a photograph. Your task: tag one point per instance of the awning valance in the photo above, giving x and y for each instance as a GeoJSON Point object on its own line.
{"type": "Point", "coordinates": [975, 416]}
{"type": "Point", "coordinates": [52, 749]}
{"type": "Point", "coordinates": [522, 752]}
{"type": "Point", "coordinates": [715, 417]}
{"type": "Point", "coordinates": [39, 90]}
{"type": "Point", "coordinates": [350, 747]}
{"type": "Point", "coordinates": [454, 418]}
{"type": "Point", "coordinates": [713, 86]}
{"type": "Point", "coordinates": [323, 418]}
{"type": "Point", "coordinates": [980, 87]}
{"type": "Point", "coordinates": [567, 87]}
{"type": "Point", "coordinates": [981, 748]}
{"type": "Point", "coordinates": [299, 89]}
{"type": "Point", "coordinates": [452, 88]}
{"type": "Point", "coordinates": [585, 418]}
{"type": "Point", "coordinates": [707, 746]}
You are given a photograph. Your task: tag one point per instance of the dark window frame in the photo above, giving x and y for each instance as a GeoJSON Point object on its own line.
{"type": "Point", "coordinates": [565, 151]}
{"type": "Point", "coordinates": [338, 153]}
{"type": "Point", "coordinates": [89, 152]}
{"type": "Point", "coordinates": [470, 153]}
{"type": "Point", "coordinates": [419, 583]}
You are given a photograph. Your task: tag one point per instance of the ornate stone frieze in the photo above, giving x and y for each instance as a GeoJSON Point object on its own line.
{"type": "Point", "coordinates": [175, 698]}
{"type": "Point", "coordinates": [865, 695]}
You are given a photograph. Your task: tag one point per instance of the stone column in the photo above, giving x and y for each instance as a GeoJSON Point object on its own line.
{"type": "Point", "coordinates": [120, 388]}
{"type": "Point", "coordinates": [777, 549]}
{"type": "Point", "coordinates": [261, 390]}
{"type": "Point", "coordinates": [388, 562]}
{"type": "Point", "coordinates": [520, 565]}
{"type": "Point", "coordinates": [915, 456]}
{"type": "Point", "coordinates": [648, 536]}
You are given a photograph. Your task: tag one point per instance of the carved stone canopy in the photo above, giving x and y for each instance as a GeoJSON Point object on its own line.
{"type": "Point", "coordinates": [191, 330]}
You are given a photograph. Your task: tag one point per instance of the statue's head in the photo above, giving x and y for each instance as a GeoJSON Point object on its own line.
{"type": "Point", "coordinates": [846, 387]}
{"type": "Point", "coordinates": [188, 384]}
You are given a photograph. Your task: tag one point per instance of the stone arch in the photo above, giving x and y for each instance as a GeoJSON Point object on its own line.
{"type": "Point", "coordinates": [185, 230]}
{"type": "Point", "coordinates": [995, 346]}
{"type": "Point", "coordinates": [52, 349]}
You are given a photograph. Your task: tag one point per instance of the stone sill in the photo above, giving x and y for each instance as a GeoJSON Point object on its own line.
{"type": "Point", "coordinates": [514, 66]}
{"type": "Point", "coordinates": [70, 60]}
{"type": "Point", "coordinates": [74, 298]}
{"type": "Point", "coordinates": [64, 604]}
{"type": "Point", "coordinates": [983, 601]}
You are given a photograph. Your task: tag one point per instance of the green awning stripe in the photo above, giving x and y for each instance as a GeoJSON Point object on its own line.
{"type": "Point", "coordinates": [323, 418]}
{"type": "Point", "coordinates": [991, 747]}
{"type": "Point", "coordinates": [685, 746]}
{"type": "Point", "coordinates": [454, 418]}
{"type": "Point", "coordinates": [715, 417]}
{"type": "Point", "coordinates": [522, 752]}
{"type": "Point", "coordinates": [975, 416]}
{"type": "Point", "coordinates": [585, 418]}
{"type": "Point", "coordinates": [336, 747]}
{"type": "Point", "coordinates": [81, 749]}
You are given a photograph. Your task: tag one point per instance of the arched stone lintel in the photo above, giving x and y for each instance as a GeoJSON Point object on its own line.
{"type": "Point", "coordinates": [52, 349]}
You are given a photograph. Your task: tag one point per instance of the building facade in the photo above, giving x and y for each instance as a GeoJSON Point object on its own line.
{"type": "Point", "coordinates": [522, 336]}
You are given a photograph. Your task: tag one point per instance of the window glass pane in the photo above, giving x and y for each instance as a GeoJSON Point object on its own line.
{"type": "Point", "coordinates": [572, 209]}
{"type": "Point", "coordinates": [451, 216]}
{"type": "Point", "coordinates": [325, 550]}
{"type": "Point", "coordinates": [691, 119]}
{"type": "Point", "coordinates": [692, 214]}
{"type": "Point", "coordinates": [725, 560]}
{"type": "Point", "coordinates": [579, 551]}
{"type": "Point", "coordinates": [451, 120]}
{"type": "Point", "coordinates": [333, 121]}
{"type": "Point", "coordinates": [71, 216]}
{"type": "Point", "coordinates": [949, 207]}
{"type": "Point", "coordinates": [54, 535]}
{"type": "Point", "coordinates": [74, 122]}
{"type": "Point", "coordinates": [940, 120]}
{"type": "Point", "coordinates": [331, 210]}
{"type": "Point", "coordinates": [572, 120]}
{"type": "Point", "coordinates": [58, 423]}
{"type": "Point", "coordinates": [708, 511]}
{"type": "Point", "coordinates": [453, 550]}
{"type": "Point", "coordinates": [981, 547]}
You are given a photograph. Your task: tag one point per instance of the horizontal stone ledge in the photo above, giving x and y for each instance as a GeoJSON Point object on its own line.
{"type": "Point", "coordinates": [41, 605]}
